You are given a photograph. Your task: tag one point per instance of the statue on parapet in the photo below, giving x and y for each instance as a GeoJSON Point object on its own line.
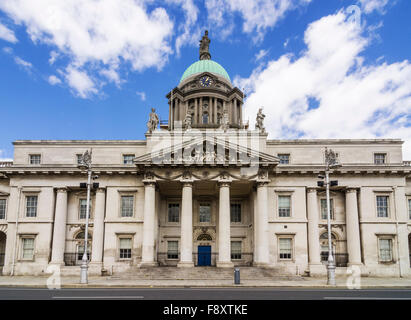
{"type": "Point", "coordinates": [153, 121]}
{"type": "Point", "coordinates": [259, 125]}
{"type": "Point", "coordinates": [204, 47]}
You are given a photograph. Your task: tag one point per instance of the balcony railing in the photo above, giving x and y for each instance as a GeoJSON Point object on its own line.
{"type": "Point", "coordinates": [74, 259]}
{"type": "Point", "coordinates": [341, 259]}
{"type": "Point", "coordinates": [4, 164]}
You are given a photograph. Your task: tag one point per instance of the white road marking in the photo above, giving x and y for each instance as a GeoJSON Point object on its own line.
{"type": "Point", "coordinates": [363, 298]}
{"type": "Point", "coordinates": [100, 297]}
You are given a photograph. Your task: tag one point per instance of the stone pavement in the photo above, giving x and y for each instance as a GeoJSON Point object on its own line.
{"type": "Point", "coordinates": [123, 282]}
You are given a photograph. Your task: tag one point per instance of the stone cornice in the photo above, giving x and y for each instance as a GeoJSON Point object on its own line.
{"type": "Point", "coordinates": [81, 142]}
{"type": "Point", "coordinates": [334, 141]}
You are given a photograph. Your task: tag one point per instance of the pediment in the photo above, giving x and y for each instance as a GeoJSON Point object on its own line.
{"type": "Point", "coordinates": [207, 151]}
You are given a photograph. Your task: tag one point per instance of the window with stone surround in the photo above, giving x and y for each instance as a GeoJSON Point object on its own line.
{"type": "Point", "coordinates": [173, 212]}
{"type": "Point", "coordinates": [285, 246]}
{"type": "Point", "coordinates": [382, 206]}
{"type": "Point", "coordinates": [128, 158]}
{"type": "Point", "coordinates": [127, 205]}
{"type": "Point", "coordinates": [385, 249]}
{"type": "Point", "coordinates": [235, 250]}
{"type": "Point", "coordinates": [27, 248]}
{"type": "Point", "coordinates": [235, 212]}
{"type": "Point", "coordinates": [284, 206]}
{"type": "Point", "coordinates": [35, 158]}
{"type": "Point", "coordinates": [31, 206]}
{"type": "Point", "coordinates": [409, 209]}
{"type": "Point", "coordinates": [172, 249]}
{"type": "Point", "coordinates": [125, 247]}
{"type": "Point", "coordinates": [83, 209]}
{"type": "Point", "coordinates": [380, 158]}
{"type": "Point", "coordinates": [205, 212]}
{"type": "Point", "coordinates": [3, 203]}
{"type": "Point", "coordinates": [284, 158]}
{"type": "Point", "coordinates": [324, 209]}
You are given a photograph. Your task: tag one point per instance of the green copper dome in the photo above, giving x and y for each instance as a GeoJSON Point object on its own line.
{"type": "Point", "coordinates": [205, 66]}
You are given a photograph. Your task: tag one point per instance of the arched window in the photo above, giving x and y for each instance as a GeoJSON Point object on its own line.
{"type": "Point", "coordinates": [205, 118]}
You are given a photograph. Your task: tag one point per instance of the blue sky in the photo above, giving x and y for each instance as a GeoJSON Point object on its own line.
{"type": "Point", "coordinates": [93, 69]}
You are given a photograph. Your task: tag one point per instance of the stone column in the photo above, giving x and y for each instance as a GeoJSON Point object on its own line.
{"type": "Point", "coordinates": [59, 233]}
{"type": "Point", "coordinates": [186, 245]}
{"type": "Point", "coordinates": [353, 227]}
{"type": "Point", "coordinates": [313, 231]}
{"type": "Point", "coordinates": [235, 120]}
{"type": "Point", "coordinates": [224, 226]}
{"type": "Point", "coordinates": [149, 225]}
{"type": "Point", "coordinates": [261, 219]}
{"type": "Point", "coordinates": [98, 228]}
{"type": "Point", "coordinates": [195, 110]}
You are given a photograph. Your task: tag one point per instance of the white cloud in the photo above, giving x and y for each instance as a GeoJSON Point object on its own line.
{"type": "Point", "coordinates": [112, 75]}
{"type": "Point", "coordinates": [23, 63]}
{"type": "Point", "coordinates": [261, 54]}
{"type": "Point", "coordinates": [7, 34]}
{"type": "Point", "coordinates": [258, 15]}
{"type": "Point", "coordinates": [80, 82]}
{"type": "Point", "coordinates": [53, 57]}
{"type": "Point", "coordinates": [8, 50]}
{"type": "Point", "coordinates": [53, 80]}
{"type": "Point", "coordinates": [373, 5]}
{"type": "Point", "coordinates": [328, 92]}
{"type": "Point", "coordinates": [97, 35]}
{"type": "Point", "coordinates": [142, 95]}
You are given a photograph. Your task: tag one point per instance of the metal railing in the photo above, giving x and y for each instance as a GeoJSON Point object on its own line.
{"type": "Point", "coordinates": [74, 259]}
{"type": "Point", "coordinates": [341, 259]}
{"type": "Point", "coordinates": [1, 259]}
{"type": "Point", "coordinates": [4, 164]}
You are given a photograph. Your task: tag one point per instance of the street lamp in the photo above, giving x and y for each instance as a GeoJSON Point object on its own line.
{"type": "Point", "coordinates": [331, 162]}
{"type": "Point", "coordinates": [85, 164]}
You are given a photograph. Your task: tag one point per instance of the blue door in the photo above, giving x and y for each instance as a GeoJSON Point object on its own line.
{"type": "Point", "coordinates": [204, 255]}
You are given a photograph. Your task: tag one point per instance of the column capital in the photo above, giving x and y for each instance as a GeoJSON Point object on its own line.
{"type": "Point", "coordinates": [351, 190]}
{"type": "Point", "coordinates": [312, 190]}
{"type": "Point", "coordinates": [262, 183]}
{"type": "Point", "coordinates": [187, 183]}
{"type": "Point", "coordinates": [62, 190]}
{"type": "Point", "coordinates": [149, 183]}
{"type": "Point", "coordinates": [224, 183]}
{"type": "Point", "coordinates": [100, 190]}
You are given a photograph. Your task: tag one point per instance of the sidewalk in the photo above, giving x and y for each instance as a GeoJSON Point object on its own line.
{"type": "Point", "coordinates": [108, 282]}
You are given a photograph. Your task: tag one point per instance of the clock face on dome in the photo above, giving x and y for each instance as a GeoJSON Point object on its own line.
{"type": "Point", "coordinates": [206, 81]}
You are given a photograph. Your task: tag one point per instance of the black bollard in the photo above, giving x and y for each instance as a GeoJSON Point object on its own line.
{"type": "Point", "coordinates": [236, 275]}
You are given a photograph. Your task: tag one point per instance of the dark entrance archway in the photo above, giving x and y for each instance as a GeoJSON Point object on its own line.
{"type": "Point", "coordinates": [3, 239]}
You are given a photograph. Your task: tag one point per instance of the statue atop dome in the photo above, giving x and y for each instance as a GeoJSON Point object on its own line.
{"type": "Point", "coordinates": [204, 47]}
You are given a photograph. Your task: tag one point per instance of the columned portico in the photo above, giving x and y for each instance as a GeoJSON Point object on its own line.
{"type": "Point", "coordinates": [148, 253]}
{"type": "Point", "coordinates": [261, 257]}
{"type": "Point", "coordinates": [59, 232]}
{"type": "Point", "coordinates": [224, 234]}
{"type": "Point", "coordinates": [98, 230]}
{"type": "Point", "coordinates": [186, 257]}
{"type": "Point", "coordinates": [353, 227]}
{"type": "Point", "coordinates": [313, 231]}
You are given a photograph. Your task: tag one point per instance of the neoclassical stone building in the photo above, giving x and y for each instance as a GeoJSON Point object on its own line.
{"type": "Point", "coordinates": [205, 189]}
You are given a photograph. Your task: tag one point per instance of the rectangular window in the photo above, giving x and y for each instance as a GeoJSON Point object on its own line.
{"type": "Point", "coordinates": [235, 212]}
{"type": "Point", "coordinates": [172, 249]}
{"type": "Point", "coordinates": [385, 250]}
{"type": "Point", "coordinates": [324, 209]}
{"type": "Point", "coordinates": [31, 206]}
{"type": "Point", "coordinates": [205, 213]}
{"type": "Point", "coordinates": [35, 159]}
{"type": "Point", "coordinates": [380, 158]}
{"type": "Point", "coordinates": [409, 209]}
{"type": "Point", "coordinates": [285, 248]}
{"type": "Point", "coordinates": [127, 204]}
{"type": "Point", "coordinates": [79, 158]}
{"type": "Point", "coordinates": [83, 209]}
{"type": "Point", "coordinates": [284, 206]}
{"type": "Point", "coordinates": [2, 208]}
{"type": "Point", "coordinates": [284, 158]}
{"type": "Point", "coordinates": [125, 248]}
{"type": "Point", "coordinates": [235, 250]}
{"type": "Point", "coordinates": [128, 158]}
{"type": "Point", "coordinates": [28, 248]}
{"type": "Point", "coordinates": [80, 251]}
{"type": "Point", "coordinates": [382, 206]}
{"type": "Point", "coordinates": [173, 212]}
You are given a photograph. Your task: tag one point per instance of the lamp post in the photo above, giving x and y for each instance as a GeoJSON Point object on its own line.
{"type": "Point", "coordinates": [85, 164]}
{"type": "Point", "coordinates": [331, 162]}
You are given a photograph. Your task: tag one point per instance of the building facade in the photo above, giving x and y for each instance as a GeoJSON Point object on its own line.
{"type": "Point", "coordinates": [204, 189]}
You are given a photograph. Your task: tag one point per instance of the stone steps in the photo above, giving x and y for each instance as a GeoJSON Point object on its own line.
{"type": "Point", "coordinates": [202, 273]}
